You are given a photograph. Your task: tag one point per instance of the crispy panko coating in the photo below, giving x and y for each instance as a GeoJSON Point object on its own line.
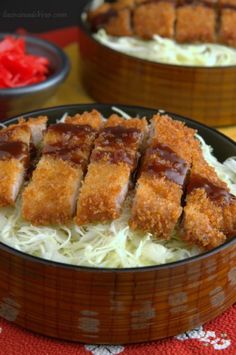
{"type": "Point", "coordinates": [99, 195]}
{"type": "Point", "coordinates": [14, 160]}
{"type": "Point", "coordinates": [37, 126]}
{"type": "Point", "coordinates": [112, 162]}
{"type": "Point", "coordinates": [115, 18]}
{"type": "Point", "coordinates": [16, 133]}
{"type": "Point", "coordinates": [166, 163]}
{"type": "Point", "coordinates": [51, 196]}
{"type": "Point", "coordinates": [120, 25]}
{"type": "Point", "coordinates": [93, 119]}
{"type": "Point", "coordinates": [227, 34]}
{"type": "Point", "coordinates": [227, 3]}
{"type": "Point", "coordinates": [195, 24]}
{"type": "Point", "coordinates": [11, 179]}
{"type": "Point", "coordinates": [154, 19]}
{"type": "Point", "coordinates": [210, 211]}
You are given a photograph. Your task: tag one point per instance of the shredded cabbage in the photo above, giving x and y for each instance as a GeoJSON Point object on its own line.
{"type": "Point", "coordinates": [103, 245]}
{"type": "Point", "coordinates": [164, 50]}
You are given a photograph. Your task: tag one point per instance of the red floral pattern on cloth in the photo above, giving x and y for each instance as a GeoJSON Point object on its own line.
{"type": "Point", "coordinates": [216, 337]}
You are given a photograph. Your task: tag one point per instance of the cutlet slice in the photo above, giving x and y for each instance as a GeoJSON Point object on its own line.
{"type": "Point", "coordinates": [113, 160]}
{"type": "Point", "coordinates": [164, 170]}
{"type": "Point", "coordinates": [154, 19]}
{"type": "Point", "coordinates": [227, 32]}
{"type": "Point", "coordinates": [14, 160]}
{"type": "Point", "coordinates": [120, 25]}
{"type": "Point", "coordinates": [37, 126]}
{"type": "Point", "coordinates": [210, 211]}
{"type": "Point", "coordinates": [195, 23]}
{"type": "Point", "coordinates": [50, 197]}
{"type": "Point", "coordinates": [114, 18]}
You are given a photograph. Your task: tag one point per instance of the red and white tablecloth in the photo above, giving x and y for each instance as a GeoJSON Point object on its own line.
{"type": "Point", "coordinates": [216, 337]}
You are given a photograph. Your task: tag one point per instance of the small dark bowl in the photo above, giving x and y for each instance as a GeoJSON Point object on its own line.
{"type": "Point", "coordinates": [16, 100]}
{"type": "Point", "coordinates": [117, 306]}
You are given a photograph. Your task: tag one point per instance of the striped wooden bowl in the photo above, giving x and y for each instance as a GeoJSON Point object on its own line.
{"type": "Point", "coordinates": [113, 306]}
{"type": "Point", "coordinates": [206, 94]}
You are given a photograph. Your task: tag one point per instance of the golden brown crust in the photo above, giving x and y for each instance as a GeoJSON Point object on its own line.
{"type": "Point", "coordinates": [157, 203]}
{"type": "Point", "coordinates": [11, 177]}
{"type": "Point", "coordinates": [227, 34]}
{"type": "Point", "coordinates": [98, 195]}
{"type": "Point", "coordinates": [48, 197]}
{"type": "Point", "coordinates": [195, 24]}
{"type": "Point", "coordinates": [16, 133]}
{"type": "Point", "coordinates": [93, 119]}
{"type": "Point", "coordinates": [157, 18]}
{"type": "Point", "coordinates": [106, 182]}
{"type": "Point", "coordinates": [207, 221]}
{"type": "Point", "coordinates": [115, 120]}
{"type": "Point", "coordinates": [173, 133]}
{"type": "Point", "coordinates": [12, 170]}
{"type": "Point", "coordinates": [202, 221]}
{"type": "Point", "coordinates": [120, 25]}
{"type": "Point", "coordinates": [156, 206]}
{"type": "Point", "coordinates": [225, 3]}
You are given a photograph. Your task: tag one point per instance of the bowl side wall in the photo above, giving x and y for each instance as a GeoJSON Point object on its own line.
{"type": "Point", "coordinates": [206, 94]}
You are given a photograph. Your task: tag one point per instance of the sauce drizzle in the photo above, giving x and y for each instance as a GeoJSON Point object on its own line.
{"type": "Point", "coordinates": [71, 129]}
{"type": "Point", "coordinates": [161, 160]}
{"type": "Point", "coordinates": [214, 192]}
{"type": "Point", "coordinates": [16, 150]}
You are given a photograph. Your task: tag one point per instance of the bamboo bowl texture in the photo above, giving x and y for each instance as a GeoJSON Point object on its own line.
{"type": "Point", "coordinates": [113, 306]}
{"type": "Point", "coordinates": [206, 94]}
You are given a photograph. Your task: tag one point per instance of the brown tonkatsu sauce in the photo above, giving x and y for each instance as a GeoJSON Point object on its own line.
{"type": "Point", "coordinates": [13, 150]}
{"type": "Point", "coordinates": [163, 161]}
{"type": "Point", "coordinates": [115, 145]}
{"type": "Point", "coordinates": [119, 134]}
{"type": "Point", "coordinates": [65, 153]}
{"type": "Point", "coordinates": [66, 149]}
{"type": "Point", "coordinates": [214, 192]}
{"type": "Point", "coordinates": [71, 129]}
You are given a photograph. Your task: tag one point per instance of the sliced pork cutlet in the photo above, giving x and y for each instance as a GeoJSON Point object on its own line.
{"type": "Point", "coordinates": [210, 211]}
{"type": "Point", "coordinates": [157, 18]}
{"type": "Point", "coordinates": [14, 161]}
{"type": "Point", "coordinates": [227, 31]}
{"type": "Point", "coordinates": [114, 18]}
{"type": "Point", "coordinates": [196, 23]}
{"type": "Point", "coordinates": [50, 197]}
{"type": "Point", "coordinates": [113, 160]}
{"type": "Point", "coordinates": [165, 167]}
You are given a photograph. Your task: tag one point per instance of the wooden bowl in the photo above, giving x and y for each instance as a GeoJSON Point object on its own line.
{"type": "Point", "coordinates": [113, 306]}
{"type": "Point", "coordinates": [205, 94]}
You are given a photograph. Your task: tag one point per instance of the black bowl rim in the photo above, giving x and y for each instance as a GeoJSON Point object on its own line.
{"type": "Point", "coordinates": [83, 27]}
{"type": "Point", "coordinates": [100, 106]}
{"type": "Point", "coordinates": [53, 80]}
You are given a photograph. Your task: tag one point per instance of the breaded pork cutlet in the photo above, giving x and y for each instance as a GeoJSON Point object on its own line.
{"type": "Point", "coordinates": [195, 23]}
{"type": "Point", "coordinates": [227, 32]}
{"type": "Point", "coordinates": [113, 160]}
{"type": "Point", "coordinates": [37, 126]}
{"type": "Point", "coordinates": [164, 170]}
{"type": "Point", "coordinates": [210, 211]}
{"type": "Point", "coordinates": [114, 18]}
{"type": "Point", "coordinates": [50, 197]}
{"type": "Point", "coordinates": [156, 18]}
{"type": "Point", "coordinates": [15, 148]}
